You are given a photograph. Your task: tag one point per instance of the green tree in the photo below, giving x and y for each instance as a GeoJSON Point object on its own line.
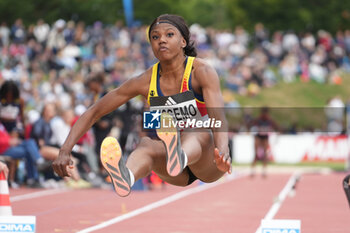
{"type": "Point", "coordinates": [299, 15]}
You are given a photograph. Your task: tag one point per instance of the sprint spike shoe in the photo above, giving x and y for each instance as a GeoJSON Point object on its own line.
{"type": "Point", "coordinates": [170, 137]}
{"type": "Point", "coordinates": [111, 159]}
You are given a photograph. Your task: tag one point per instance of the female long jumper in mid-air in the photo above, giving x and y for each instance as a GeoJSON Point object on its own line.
{"type": "Point", "coordinates": [178, 80]}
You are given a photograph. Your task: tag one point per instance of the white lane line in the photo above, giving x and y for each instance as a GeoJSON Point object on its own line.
{"type": "Point", "coordinates": [37, 194]}
{"type": "Point", "coordinates": [281, 197]}
{"type": "Point", "coordinates": [160, 203]}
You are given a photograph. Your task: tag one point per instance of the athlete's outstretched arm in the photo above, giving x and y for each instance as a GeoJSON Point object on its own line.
{"type": "Point", "coordinates": [105, 105]}
{"type": "Point", "coordinates": [210, 84]}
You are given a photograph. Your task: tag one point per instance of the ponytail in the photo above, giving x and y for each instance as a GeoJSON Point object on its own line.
{"type": "Point", "coordinates": [190, 50]}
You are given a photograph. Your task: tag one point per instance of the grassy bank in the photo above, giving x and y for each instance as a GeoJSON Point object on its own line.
{"type": "Point", "coordinates": [298, 103]}
{"type": "Point", "coordinates": [297, 94]}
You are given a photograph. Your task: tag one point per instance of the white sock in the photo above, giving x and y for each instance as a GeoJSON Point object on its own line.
{"type": "Point", "coordinates": [132, 178]}
{"type": "Point", "coordinates": [186, 160]}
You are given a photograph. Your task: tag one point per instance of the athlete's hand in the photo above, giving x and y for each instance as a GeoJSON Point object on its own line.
{"type": "Point", "coordinates": [61, 163]}
{"type": "Point", "coordinates": [222, 161]}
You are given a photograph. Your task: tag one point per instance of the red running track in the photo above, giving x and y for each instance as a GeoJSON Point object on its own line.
{"type": "Point", "coordinates": [229, 206]}
{"type": "Point", "coordinates": [320, 203]}
{"type": "Point", "coordinates": [235, 206]}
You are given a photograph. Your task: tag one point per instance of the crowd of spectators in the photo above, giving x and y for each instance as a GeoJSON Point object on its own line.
{"type": "Point", "coordinates": [66, 66]}
{"type": "Point", "coordinates": [248, 62]}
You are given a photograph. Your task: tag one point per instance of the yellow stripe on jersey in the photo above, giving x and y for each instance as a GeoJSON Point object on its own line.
{"type": "Point", "coordinates": [187, 74]}
{"type": "Point", "coordinates": [152, 92]}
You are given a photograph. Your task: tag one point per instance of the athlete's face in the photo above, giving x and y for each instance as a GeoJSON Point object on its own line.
{"type": "Point", "coordinates": [166, 41]}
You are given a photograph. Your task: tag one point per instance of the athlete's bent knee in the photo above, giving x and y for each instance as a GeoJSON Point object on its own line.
{"type": "Point", "coordinates": [147, 146]}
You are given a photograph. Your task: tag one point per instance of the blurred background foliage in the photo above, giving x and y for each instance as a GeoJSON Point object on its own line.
{"type": "Point", "coordinates": [299, 15]}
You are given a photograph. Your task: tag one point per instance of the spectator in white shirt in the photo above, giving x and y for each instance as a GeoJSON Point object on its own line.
{"type": "Point", "coordinates": [41, 31]}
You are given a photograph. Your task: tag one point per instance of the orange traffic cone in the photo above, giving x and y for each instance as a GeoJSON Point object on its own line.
{"type": "Point", "coordinates": [5, 205]}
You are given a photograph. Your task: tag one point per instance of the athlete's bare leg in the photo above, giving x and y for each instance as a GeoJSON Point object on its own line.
{"type": "Point", "coordinates": [265, 144]}
{"type": "Point", "coordinates": [151, 155]}
{"type": "Point", "coordinates": [199, 147]}
{"type": "Point", "coordinates": [256, 148]}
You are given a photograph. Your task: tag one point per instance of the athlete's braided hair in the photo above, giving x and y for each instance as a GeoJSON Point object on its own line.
{"type": "Point", "coordinates": [178, 22]}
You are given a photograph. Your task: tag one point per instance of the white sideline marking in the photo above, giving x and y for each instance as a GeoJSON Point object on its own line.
{"type": "Point", "coordinates": [281, 197]}
{"type": "Point", "coordinates": [37, 194]}
{"type": "Point", "coordinates": [160, 203]}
